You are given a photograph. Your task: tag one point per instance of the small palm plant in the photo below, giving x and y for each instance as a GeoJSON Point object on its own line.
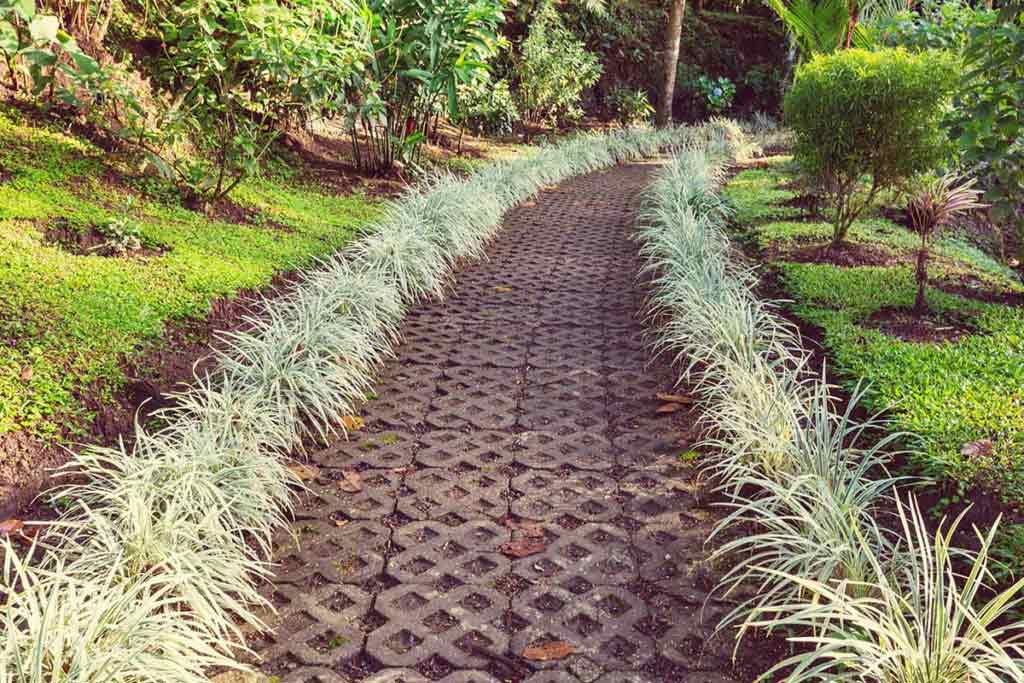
{"type": "Point", "coordinates": [931, 207]}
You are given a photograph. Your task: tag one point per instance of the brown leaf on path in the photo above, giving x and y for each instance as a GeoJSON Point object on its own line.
{"type": "Point", "coordinates": [11, 526]}
{"type": "Point", "coordinates": [523, 547]}
{"type": "Point", "coordinates": [350, 482]}
{"type": "Point", "coordinates": [669, 408]}
{"type": "Point", "coordinates": [503, 290]}
{"type": "Point", "coordinates": [675, 398]}
{"type": "Point", "coordinates": [352, 423]}
{"type": "Point", "coordinates": [549, 651]}
{"type": "Point", "coordinates": [304, 472]}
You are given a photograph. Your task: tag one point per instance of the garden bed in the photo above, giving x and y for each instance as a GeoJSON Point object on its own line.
{"type": "Point", "coordinates": [954, 376]}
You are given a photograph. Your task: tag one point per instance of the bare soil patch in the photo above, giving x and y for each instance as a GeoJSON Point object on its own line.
{"type": "Point", "coordinates": [970, 287]}
{"type": "Point", "coordinates": [92, 242]}
{"type": "Point", "coordinates": [849, 255]}
{"type": "Point", "coordinates": [929, 328]}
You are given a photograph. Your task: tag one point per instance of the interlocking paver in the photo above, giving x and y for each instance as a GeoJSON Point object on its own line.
{"type": "Point", "coordinates": [514, 483]}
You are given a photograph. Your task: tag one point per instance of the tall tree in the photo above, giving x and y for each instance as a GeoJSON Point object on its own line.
{"type": "Point", "coordinates": [673, 36]}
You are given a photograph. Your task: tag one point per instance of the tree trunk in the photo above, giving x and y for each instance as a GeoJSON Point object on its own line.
{"type": "Point", "coordinates": [921, 304]}
{"type": "Point", "coordinates": [673, 35]}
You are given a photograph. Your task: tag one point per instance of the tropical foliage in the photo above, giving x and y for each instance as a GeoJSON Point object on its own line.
{"type": "Point", "coordinates": [554, 68]}
{"type": "Point", "coordinates": [419, 54]}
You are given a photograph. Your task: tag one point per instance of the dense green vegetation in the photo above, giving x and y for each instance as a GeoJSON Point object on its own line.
{"type": "Point", "coordinates": [951, 394]}
{"type": "Point", "coordinates": [71, 313]}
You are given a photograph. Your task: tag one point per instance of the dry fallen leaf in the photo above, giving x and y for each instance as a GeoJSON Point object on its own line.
{"type": "Point", "coordinates": [350, 482]}
{"type": "Point", "coordinates": [675, 398]}
{"type": "Point", "coordinates": [352, 423]}
{"type": "Point", "coordinates": [523, 547]}
{"type": "Point", "coordinates": [304, 472]}
{"type": "Point", "coordinates": [11, 526]}
{"type": "Point", "coordinates": [550, 651]}
{"type": "Point", "coordinates": [977, 449]}
{"type": "Point", "coordinates": [669, 408]}
{"type": "Point", "coordinates": [503, 290]}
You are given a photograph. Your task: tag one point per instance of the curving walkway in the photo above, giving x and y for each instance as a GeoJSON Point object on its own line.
{"type": "Point", "coordinates": [514, 490]}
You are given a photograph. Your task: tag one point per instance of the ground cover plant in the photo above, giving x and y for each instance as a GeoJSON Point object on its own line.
{"type": "Point", "coordinates": [955, 383]}
{"type": "Point", "coordinates": [861, 599]}
{"type": "Point", "coordinates": [178, 522]}
{"type": "Point", "coordinates": [80, 300]}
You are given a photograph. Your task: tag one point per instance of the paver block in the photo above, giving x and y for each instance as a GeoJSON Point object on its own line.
{"type": "Point", "coordinates": [424, 622]}
{"type": "Point", "coordinates": [432, 552]}
{"type": "Point", "coordinates": [481, 449]}
{"type": "Point", "coordinates": [453, 497]}
{"type": "Point", "coordinates": [333, 494]}
{"type": "Point", "coordinates": [552, 495]}
{"type": "Point", "coordinates": [480, 400]}
{"type": "Point", "coordinates": [571, 448]}
{"type": "Point", "coordinates": [317, 626]}
{"type": "Point", "coordinates": [384, 450]}
{"type": "Point", "coordinates": [599, 553]}
{"type": "Point", "coordinates": [600, 625]}
{"type": "Point", "coordinates": [320, 551]}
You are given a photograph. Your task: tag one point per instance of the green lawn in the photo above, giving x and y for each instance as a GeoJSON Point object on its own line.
{"type": "Point", "coordinates": [68, 321]}
{"type": "Point", "coordinates": [950, 393]}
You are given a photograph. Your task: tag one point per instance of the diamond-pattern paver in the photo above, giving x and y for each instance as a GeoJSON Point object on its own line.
{"type": "Point", "coordinates": [514, 483]}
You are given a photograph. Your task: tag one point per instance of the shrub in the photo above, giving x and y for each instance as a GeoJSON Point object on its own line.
{"type": "Point", "coordinates": [554, 69]}
{"type": "Point", "coordinates": [630, 107]}
{"type": "Point", "coordinates": [229, 73]}
{"type": "Point", "coordinates": [716, 94]}
{"type": "Point", "coordinates": [34, 45]}
{"type": "Point", "coordinates": [488, 108]}
{"type": "Point", "coordinates": [875, 114]}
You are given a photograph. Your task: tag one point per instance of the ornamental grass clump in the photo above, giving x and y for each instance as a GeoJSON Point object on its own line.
{"type": "Point", "coordinates": [927, 615]}
{"type": "Point", "coordinates": [808, 484]}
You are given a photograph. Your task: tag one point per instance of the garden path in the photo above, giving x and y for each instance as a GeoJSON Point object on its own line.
{"type": "Point", "coordinates": [516, 490]}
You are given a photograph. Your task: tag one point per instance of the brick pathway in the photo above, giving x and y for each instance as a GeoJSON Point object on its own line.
{"type": "Point", "coordinates": [519, 416]}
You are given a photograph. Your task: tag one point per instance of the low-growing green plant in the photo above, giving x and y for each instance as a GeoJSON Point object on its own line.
{"type": "Point", "coordinates": [860, 114]}
{"type": "Point", "coordinates": [932, 206]}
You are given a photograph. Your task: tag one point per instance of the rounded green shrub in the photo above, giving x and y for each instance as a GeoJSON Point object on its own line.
{"type": "Point", "coordinates": [860, 115]}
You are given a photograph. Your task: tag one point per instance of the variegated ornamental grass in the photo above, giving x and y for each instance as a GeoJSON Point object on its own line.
{"type": "Point", "coordinates": [806, 482]}
{"type": "Point", "coordinates": [154, 565]}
